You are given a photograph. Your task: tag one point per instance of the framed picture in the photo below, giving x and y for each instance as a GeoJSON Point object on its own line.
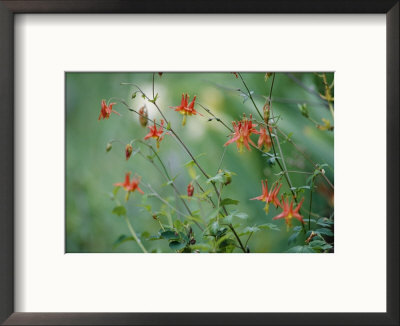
{"type": "Point", "coordinates": [165, 168]}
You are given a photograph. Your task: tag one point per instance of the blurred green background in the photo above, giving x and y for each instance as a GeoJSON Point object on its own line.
{"type": "Point", "coordinates": [91, 171]}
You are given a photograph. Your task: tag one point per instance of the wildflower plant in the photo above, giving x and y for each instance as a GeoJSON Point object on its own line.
{"type": "Point", "coordinates": [202, 209]}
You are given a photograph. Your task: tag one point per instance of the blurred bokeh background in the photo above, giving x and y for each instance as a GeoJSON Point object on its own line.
{"type": "Point", "coordinates": [91, 171]}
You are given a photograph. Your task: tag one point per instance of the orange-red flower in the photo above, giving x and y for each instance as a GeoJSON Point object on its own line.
{"type": "Point", "coordinates": [190, 190]}
{"type": "Point", "coordinates": [157, 134]}
{"type": "Point", "coordinates": [264, 139]}
{"type": "Point", "coordinates": [186, 109]}
{"type": "Point", "coordinates": [106, 110]}
{"type": "Point", "coordinates": [130, 186]}
{"type": "Point", "coordinates": [269, 197]}
{"type": "Point", "coordinates": [288, 212]}
{"type": "Point", "coordinates": [128, 151]}
{"type": "Point", "coordinates": [242, 131]}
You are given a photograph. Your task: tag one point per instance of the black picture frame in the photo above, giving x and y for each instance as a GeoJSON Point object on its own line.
{"type": "Point", "coordinates": [7, 11]}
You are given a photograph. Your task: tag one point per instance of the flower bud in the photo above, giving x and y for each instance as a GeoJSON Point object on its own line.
{"type": "Point", "coordinates": [128, 151]}
{"type": "Point", "coordinates": [266, 111]}
{"type": "Point", "coordinates": [143, 116]}
{"type": "Point", "coordinates": [303, 110]}
{"type": "Point", "coordinates": [227, 179]}
{"type": "Point", "coordinates": [192, 241]}
{"type": "Point", "coordinates": [108, 147]}
{"type": "Point", "coordinates": [190, 190]}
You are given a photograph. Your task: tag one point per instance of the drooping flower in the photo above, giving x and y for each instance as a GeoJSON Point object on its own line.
{"type": "Point", "coordinates": [143, 116]}
{"type": "Point", "coordinates": [242, 131]}
{"type": "Point", "coordinates": [106, 110]}
{"type": "Point", "coordinates": [186, 109]}
{"type": "Point", "coordinates": [157, 134]}
{"type": "Point", "coordinates": [130, 186]}
{"type": "Point", "coordinates": [288, 212]}
{"type": "Point", "coordinates": [264, 139]}
{"type": "Point", "coordinates": [269, 197]}
{"type": "Point", "coordinates": [190, 190]}
{"type": "Point", "coordinates": [128, 151]}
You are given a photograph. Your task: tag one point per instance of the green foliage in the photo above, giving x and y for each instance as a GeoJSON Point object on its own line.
{"type": "Point", "coordinates": [122, 239]}
{"type": "Point", "coordinates": [119, 210]}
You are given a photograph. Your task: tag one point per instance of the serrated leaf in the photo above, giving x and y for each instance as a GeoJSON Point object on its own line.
{"type": "Point", "coordinates": [169, 235]}
{"type": "Point", "coordinates": [250, 229]}
{"type": "Point", "coordinates": [301, 249]}
{"type": "Point", "coordinates": [219, 177]}
{"type": "Point", "coordinates": [176, 245]}
{"type": "Point", "coordinates": [119, 210]}
{"type": "Point", "coordinates": [325, 231]}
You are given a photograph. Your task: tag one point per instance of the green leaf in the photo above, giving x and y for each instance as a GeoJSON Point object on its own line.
{"type": "Point", "coordinates": [301, 249]}
{"type": "Point", "coordinates": [228, 219]}
{"type": "Point", "coordinates": [121, 239]}
{"type": "Point", "coordinates": [119, 210]}
{"type": "Point", "coordinates": [170, 235]}
{"type": "Point", "coordinates": [194, 218]}
{"type": "Point", "coordinates": [325, 222]}
{"type": "Point", "coordinates": [320, 245]}
{"type": "Point", "coordinates": [176, 245]}
{"type": "Point", "coordinates": [293, 237]}
{"type": "Point", "coordinates": [115, 191]}
{"type": "Point", "coordinates": [219, 177]}
{"type": "Point", "coordinates": [228, 201]}
{"type": "Point", "coordinates": [250, 229]}
{"type": "Point", "coordinates": [214, 228]}
{"type": "Point", "coordinates": [242, 216]}
{"type": "Point", "coordinates": [269, 226]}
{"type": "Point", "coordinates": [325, 231]}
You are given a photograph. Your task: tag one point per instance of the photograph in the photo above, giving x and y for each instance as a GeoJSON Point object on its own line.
{"type": "Point", "coordinates": [199, 162]}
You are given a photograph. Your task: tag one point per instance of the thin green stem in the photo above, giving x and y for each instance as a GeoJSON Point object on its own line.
{"type": "Point", "coordinates": [130, 227]}
{"type": "Point", "coordinates": [247, 241]}
{"type": "Point", "coordinates": [251, 97]}
{"type": "Point", "coordinates": [311, 195]}
{"type": "Point", "coordinates": [237, 237]}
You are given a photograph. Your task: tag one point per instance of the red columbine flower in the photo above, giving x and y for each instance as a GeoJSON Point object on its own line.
{"type": "Point", "coordinates": [288, 212]}
{"type": "Point", "coordinates": [106, 110]}
{"type": "Point", "coordinates": [157, 134]}
{"type": "Point", "coordinates": [242, 131]}
{"type": "Point", "coordinates": [269, 197]}
{"type": "Point", "coordinates": [264, 139]}
{"type": "Point", "coordinates": [186, 109]}
{"type": "Point", "coordinates": [143, 116]}
{"type": "Point", "coordinates": [235, 73]}
{"type": "Point", "coordinates": [190, 190]}
{"type": "Point", "coordinates": [130, 186]}
{"type": "Point", "coordinates": [128, 151]}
